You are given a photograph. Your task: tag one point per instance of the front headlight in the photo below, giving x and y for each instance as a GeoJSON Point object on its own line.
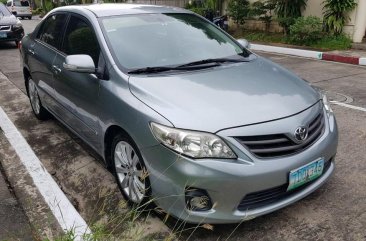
{"type": "Point", "coordinates": [326, 104]}
{"type": "Point", "coordinates": [192, 143]}
{"type": "Point", "coordinates": [17, 25]}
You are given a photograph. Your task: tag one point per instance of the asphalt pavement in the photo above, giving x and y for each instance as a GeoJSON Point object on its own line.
{"type": "Point", "coordinates": [337, 211]}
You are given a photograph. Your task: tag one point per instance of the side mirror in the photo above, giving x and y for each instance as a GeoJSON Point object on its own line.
{"type": "Point", "coordinates": [80, 63]}
{"type": "Point", "coordinates": [243, 42]}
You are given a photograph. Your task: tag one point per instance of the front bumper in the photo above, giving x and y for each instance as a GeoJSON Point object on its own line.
{"type": "Point", "coordinates": [228, 181]}
{"type": "Point", "coordinates": [13, 35]}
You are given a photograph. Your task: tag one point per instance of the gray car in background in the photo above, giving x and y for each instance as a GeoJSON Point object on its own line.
{"type": "Point", "coordinates": [183, 114]}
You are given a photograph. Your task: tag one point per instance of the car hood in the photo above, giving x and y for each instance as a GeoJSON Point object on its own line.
{"type": "Point", "coordinates": [225, 96]}
{"type": "Point", "coordinates": [8, 20]}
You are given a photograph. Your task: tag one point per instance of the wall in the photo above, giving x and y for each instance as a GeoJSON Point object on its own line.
{"type": "Point", "coordinates": [314, 8]}
{"type": "Point", "coordinates": [173, 3]}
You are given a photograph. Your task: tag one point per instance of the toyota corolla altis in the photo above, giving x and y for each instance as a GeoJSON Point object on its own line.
{"type": "Point", "coordinates": [182, 113]}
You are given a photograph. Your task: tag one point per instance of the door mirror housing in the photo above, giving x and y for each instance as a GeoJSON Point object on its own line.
{"type": "Point", "coordinates": [243, 42]}
{"type": "Point", "coordinates": [80, 63]}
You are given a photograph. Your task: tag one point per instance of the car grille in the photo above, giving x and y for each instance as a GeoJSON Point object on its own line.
{"type": "Point", "coordinates": [4, 27]}
{"type": "Point", "coordinates": [279, 144]}
{"type": "Point", "coordinates": [266, 197]}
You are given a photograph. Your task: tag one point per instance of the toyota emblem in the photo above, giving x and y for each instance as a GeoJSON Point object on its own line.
{"type": "Point", "coordinates": [301, 133]}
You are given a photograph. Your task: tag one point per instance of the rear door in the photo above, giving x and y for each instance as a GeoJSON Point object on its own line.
{"type": "Point", "coordinates": [41, 53]}
{"type": "Point", "coordinates": [78, 93]}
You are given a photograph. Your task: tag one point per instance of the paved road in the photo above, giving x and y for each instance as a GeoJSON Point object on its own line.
{"type": "Point", "coordinates": [335, 212]}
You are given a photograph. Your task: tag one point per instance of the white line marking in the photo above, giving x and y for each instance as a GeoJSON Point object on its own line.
{"type": "Point", "coordinates": [65, 213]}
{"type": "Point", "coordinates": [362, 61]}
{"type": "Point", "coordinates": [348, 106]}
{"type": "Point", "coordinates": [288, 51]}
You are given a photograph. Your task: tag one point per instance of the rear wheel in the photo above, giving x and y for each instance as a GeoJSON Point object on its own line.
{"type": "Point", "coordinates": [130, 171]}
{"type": "Point", "coordinates": [39, 111]}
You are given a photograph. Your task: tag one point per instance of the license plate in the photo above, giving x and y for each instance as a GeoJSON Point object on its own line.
{"type": "Point", "coordinates": [305, 174]}
{"type": "Point", "coordinates": [3, 35]}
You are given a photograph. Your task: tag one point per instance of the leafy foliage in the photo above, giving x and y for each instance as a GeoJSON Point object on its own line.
{"type": "Point", "coordinates": [306, 30]}
{"type": "Point", "coordinates": [238, 10]}
{"type": "Point", "coordinates": [287, 11]}
{"type": "Point", "coordinates": [264, 11]}
{"type": "Point", "coordinates": [335, 14]}
{"type": "Point", "coordinates": [289, 8]}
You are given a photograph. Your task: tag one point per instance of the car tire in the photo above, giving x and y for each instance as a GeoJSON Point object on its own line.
{"type": "Point", "coordinates": [22, 18]}
{"type": "Point", "coordinates": [39, 111]}
{"type": "Point", "coordinates": [30, 18]}
{"type": "Point", "coordinates": [130, 171]}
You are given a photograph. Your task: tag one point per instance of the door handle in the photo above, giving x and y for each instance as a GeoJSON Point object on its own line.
{"type": "Point", "coordinates": [56, 69]}
{"type": "Point", "coordinates": [31, 51]}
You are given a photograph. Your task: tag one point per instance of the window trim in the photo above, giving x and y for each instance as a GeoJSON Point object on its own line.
{"type": "Point", "coordinates": [40, 31]}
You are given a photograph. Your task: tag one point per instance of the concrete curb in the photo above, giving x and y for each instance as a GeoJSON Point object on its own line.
{"type": "Point", "coordinates": [49, 210]}
{"type": "Point", "coordinates": [310, 54]}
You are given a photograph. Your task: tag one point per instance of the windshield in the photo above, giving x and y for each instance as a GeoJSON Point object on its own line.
{"type": "Point", "coordinates": [4, 11]}
{"type": "Point", "coordinates": [20, 3]}
{"type": "Point", "coordinates": [148, 40]}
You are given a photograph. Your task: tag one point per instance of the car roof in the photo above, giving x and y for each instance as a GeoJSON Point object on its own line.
{"type": "Point", "coordinates": [113, 9]}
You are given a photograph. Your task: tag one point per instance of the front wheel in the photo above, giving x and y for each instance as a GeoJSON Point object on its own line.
{"type": "Point", "coordinates": [39, 111]}
{"type": "Point", "coordinates": [130, 171]}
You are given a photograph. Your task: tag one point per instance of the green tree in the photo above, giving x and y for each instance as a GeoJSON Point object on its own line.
{"type": "Point", "coordinates": [264, 12]}
{"type": "Point", "coordinates": [238, 10]}
{"type": "Point", "coordinates": [336, 14]}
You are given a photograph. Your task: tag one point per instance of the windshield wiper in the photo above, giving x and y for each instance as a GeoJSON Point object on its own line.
{"type": "Point", "coordinates": [151, 70]}
{"type": "Point", "coordinates": [206, 63]}
{"type": "Point", "coordinates": [159, 69]}
{"type": "Point", "coordinates": [217, 61]}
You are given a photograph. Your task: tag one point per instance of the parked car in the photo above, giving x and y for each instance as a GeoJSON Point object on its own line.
{"type": "Point", "coordinates": [181, 112]}
{"type": "Point", "coordinates": [20, 8]}
{"type": "Point", "coordinates": [11, 28]}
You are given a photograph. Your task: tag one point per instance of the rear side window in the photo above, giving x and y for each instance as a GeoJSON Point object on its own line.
{"type": "Point", "coordinates": [51, 30]}
{"type": "Point", "coordinates": [20, 3]}
{"type": "Point", "coordinates": [80, 39]}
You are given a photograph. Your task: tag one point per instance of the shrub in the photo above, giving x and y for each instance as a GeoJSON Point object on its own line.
{"type": "Point", "coordinates": [306, 30]}
{"type": "Point", "coordinates": [335, 14]}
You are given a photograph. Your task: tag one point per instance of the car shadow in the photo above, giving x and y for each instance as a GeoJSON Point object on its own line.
{"type": "Point", "coordinates": [8, 45]}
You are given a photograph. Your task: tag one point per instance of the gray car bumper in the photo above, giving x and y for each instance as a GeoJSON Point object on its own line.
{"type": "Point", "coordinates": [227, 181]}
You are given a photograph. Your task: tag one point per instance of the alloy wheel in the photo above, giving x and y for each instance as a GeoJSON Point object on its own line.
{"type": "Point", "coordinates": [130, 172]}
{"type": "Point", "coordinates": [34, 98]}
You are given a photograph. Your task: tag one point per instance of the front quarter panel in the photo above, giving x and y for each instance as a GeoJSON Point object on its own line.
{"type": "Point", "coordinates": [120, 108]}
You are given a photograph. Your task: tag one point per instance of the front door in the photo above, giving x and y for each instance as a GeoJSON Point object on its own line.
{"type": "Point", "coordinates": [77, 93]}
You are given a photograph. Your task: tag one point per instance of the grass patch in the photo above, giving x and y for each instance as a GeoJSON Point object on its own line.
{"type": "Point", "coordinates": [327, 43]}
{"type": "Point", "coordinates": [341, 42]}
{"type": "Point", "coordinates": [264, 37]}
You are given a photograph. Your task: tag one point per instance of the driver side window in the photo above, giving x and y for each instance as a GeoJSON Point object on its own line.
{"type": "Point", "coordinates": [80, 39]}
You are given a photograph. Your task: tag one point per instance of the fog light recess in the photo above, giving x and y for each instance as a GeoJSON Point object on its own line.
{"type": "Point", "coordinates": [197, 199]}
